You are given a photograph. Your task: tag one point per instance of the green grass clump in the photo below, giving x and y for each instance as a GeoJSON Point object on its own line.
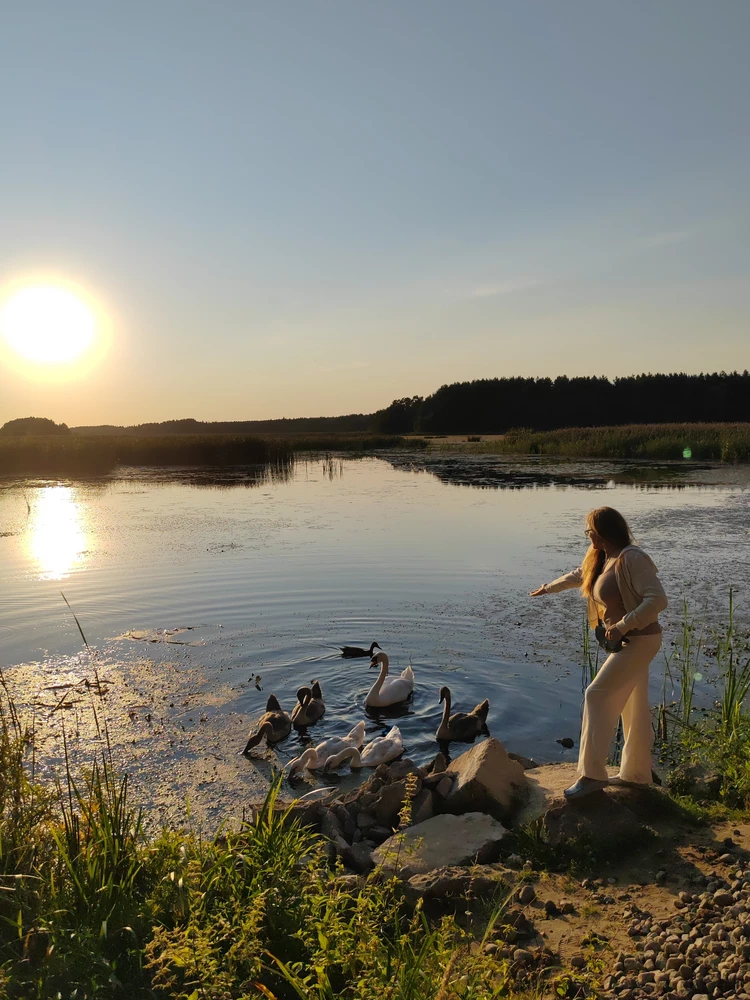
{"type": "Point", "coordinates": [708, 751]}
{"type": "Point", "coordinates": [700, 442]}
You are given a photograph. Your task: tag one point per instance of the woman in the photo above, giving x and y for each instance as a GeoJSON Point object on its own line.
{"type": "Point", "coordinates": [625, 596]}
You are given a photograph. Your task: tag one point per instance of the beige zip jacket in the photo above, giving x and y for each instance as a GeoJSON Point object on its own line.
{"type": "Point", "coordinates": [640, 587]}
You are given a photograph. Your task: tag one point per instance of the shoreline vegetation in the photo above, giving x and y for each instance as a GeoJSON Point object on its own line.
{"type": "Point", "coordinates": [75, 454]}
{"type": "Point", "coordinates": [94, 908]}
{"type": "Point", "coordinates": [728, 443]}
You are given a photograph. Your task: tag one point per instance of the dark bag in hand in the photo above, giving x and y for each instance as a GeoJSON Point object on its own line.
{"type": "Point", "coordinates": [608, 645]}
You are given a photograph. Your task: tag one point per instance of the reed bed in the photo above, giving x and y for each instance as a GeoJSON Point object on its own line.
{"type": "Point", "coordinates": [700, 442]}
{"type": "Point", "coordinates": [75, 455]}
{"type": "Point", "coordinates": [708, 740]}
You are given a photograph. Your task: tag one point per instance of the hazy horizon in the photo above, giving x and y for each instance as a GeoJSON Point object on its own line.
{"type": "Point", "coordinates": [312, 209]}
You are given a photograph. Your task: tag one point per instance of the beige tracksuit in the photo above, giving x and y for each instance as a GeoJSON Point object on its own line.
{"type": "Point", "coordinates": [621, 685]}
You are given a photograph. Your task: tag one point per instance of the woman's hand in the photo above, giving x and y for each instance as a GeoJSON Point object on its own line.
{"type": "Point", "coordinates": [614, 634]}
{"type": "Point", "coordinates": [538, 591]}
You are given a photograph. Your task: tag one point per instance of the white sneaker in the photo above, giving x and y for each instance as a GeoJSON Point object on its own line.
{"type": "Point", "coordinates": [583, 787]}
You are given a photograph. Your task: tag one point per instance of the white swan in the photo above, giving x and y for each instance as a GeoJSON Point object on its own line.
{"type": "Point", "coordinates": [378, 751]}
{"type": "Point", "coordinates": [388, 690]}
{"type": "Point", "coordinates": [315, 757]}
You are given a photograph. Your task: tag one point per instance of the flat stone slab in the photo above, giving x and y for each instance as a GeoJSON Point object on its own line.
{"type": "Point", "coordinates": [441, 842]}
{"type": "Point", "coordinates": [545, 787]}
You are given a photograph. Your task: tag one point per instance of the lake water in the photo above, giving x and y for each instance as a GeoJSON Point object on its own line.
{"type": "Point", "coordinates": [432, 557]}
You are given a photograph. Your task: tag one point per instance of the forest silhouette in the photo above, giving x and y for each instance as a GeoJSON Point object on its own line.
{"type": "Point", "coordinates": [487, 406]}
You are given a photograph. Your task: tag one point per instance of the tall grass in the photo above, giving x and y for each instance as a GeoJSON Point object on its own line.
{"type": "Point", "coordinates": [713, 737]}
{"type": "Point", "coordinates": [590, 655]}
{"type": "Point", "coordinates": [701, 442]}
{"type": "Point", "coordinates": [97, 455]}
{"type": "Point", "coordinates": [682, 666]}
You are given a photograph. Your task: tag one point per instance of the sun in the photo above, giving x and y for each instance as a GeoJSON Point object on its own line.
{"type": "Point", "coordinates": [48, 325]}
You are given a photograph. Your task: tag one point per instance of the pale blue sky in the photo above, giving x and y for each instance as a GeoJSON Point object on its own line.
{"type": "Point", "coordinates": [294, 208]}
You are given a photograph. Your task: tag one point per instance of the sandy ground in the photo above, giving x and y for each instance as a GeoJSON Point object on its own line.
{"type": "Point", "coordinates": [649, 879]}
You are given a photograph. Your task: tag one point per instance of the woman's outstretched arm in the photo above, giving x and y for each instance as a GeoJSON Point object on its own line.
{"type": "Point", "coordinates": [567, 582]}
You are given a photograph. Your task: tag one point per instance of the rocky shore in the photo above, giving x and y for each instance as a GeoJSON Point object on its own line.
{"type": "Point", "coordinates": [450, 833]}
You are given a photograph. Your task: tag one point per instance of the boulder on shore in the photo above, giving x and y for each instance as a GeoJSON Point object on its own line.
{"type": "Point", "coordinates": [597, 818]}
{"type": "Point", "coordinates": [441, 842]}
{"type": "Point", "coordinates": [487, 780]}
{"type": "Point", "coordinates": [617, 811]}
{"type": "Point", "coordinates": [545, 787]}
{"type": "Point", "coordinates": [448, 889]}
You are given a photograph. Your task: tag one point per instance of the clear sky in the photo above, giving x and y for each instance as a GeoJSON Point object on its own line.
{"type": "Point", "coordinates": [304, 207]}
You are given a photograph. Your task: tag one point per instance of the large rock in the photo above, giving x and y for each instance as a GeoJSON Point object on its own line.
{"type": "Point", "coordinates": [487, 780]}
{"type": "Point", "coordinates": [546, 785]}
{"type": "Point", "coordinates": [307, 813]}
{"type": "Point", "coordinates": [596, 819]}
{"type": "Point", "coordinates": [442, 842]}
{"type": "Point", "coordinates": [391, 801]}
{"type": "Point", "coordinates": [358, 857]}
{"type": "Point", "coordinates": [447, 889]}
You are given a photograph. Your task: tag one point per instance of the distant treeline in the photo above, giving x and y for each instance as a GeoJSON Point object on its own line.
{"type": "Point", "coordinates": [354, 422]}
{"type": "Point", "coordinates": [494, 406]}
{"type": "Point", "coordinates": [33, 426]}
{"type": "Point", "coordinates": [485, 406]}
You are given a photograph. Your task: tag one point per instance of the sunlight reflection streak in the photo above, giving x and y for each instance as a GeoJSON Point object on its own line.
{"type": "Point", "coordinates": [58, 539]}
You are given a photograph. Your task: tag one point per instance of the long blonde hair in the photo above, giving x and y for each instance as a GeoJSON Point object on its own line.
{"type": "Point", "coordinates": [610, 525]}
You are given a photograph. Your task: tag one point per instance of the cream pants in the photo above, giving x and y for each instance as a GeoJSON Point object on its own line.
{"type": "Point", "coordinates": [620, 688]}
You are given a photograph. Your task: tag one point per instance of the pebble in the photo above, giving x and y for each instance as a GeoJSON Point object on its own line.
{"type": "Point", "coordinates": [702, 951]}
{"type": "Point", "coordinates": [526, 894]}
{"type": "Point", "coordinates": [522, 956]}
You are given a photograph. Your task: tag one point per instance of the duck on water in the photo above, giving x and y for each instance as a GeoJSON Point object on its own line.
{"type": "Point", "coordinates": [352, 651]}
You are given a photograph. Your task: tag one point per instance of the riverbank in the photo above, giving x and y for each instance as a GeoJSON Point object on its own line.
{"type": "Point", "coordinates": [81, 455]}
{"type": "Point", "coordinates": [673, 442]}
{"type": "Point", "coordinates": [95, 906]}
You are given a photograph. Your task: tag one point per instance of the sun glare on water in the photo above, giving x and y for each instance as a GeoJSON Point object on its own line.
{"type": "Point", "coordinates": [48, 326]}
{"type": "Point", "coordinates": [57, 537]}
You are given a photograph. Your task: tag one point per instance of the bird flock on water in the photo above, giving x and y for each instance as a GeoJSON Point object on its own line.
{"type": "Point", "coordinates": [275, 724]}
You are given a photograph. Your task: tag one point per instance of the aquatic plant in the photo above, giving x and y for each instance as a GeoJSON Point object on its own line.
{"type": "Point", "coordinates": [699, 442]}
{"type": "Point", "coordinates": [77, 455]}
{"type": "Point", "coordinates": [715, 737]}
